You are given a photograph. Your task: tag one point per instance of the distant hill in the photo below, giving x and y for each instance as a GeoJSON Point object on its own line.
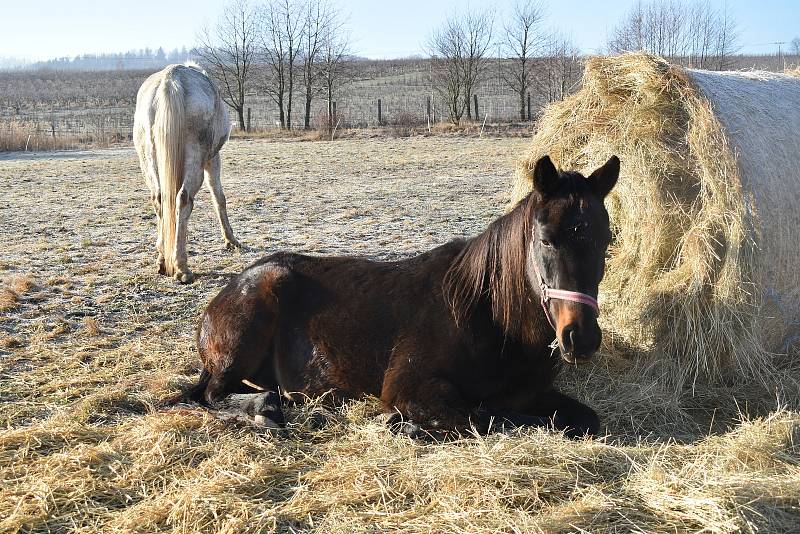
{"type": "Point", "coordinates": [144, 59]}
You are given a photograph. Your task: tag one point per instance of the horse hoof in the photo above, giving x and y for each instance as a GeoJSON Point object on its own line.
{"type": "Point", "coordinates": [268, 406]}
{"type": "Point", "coordinates": [233, 245]}
{"type": "Point", "coordinates": [266, 422]}
{"type": "Point", "coordinates": [162, 267]}
{"type": "Point", "coordinates": [184, 277]}
{"type": "Point", "coordinates": [398, 425]}
{"type": "Point", "coordinates": [584, 427]}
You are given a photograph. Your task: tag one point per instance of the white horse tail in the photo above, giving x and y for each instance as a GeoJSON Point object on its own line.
{"type": "Point", "coordinates": [169, 139]}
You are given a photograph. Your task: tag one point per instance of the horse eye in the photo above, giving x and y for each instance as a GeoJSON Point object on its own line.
{"type": "Point", "coordinates": [546, 243]}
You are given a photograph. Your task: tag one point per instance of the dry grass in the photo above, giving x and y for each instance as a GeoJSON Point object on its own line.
{"type": "Point", "coordinates": [402, 127]}
{"type": "Point", "coordinates": [13, 289]}
{"type": "Point", "coordinates": [91, 327]}
{"type": "Point", "coordinates": [83, 448]}
{"type": "Point", "coordinates": [8, 299]}
{"type": "Point", "coordinates": [20, 284]}
{"type": "Point", "coordinates": [17, 137]}
{"type": "Point", "coordinates": [25, 137]}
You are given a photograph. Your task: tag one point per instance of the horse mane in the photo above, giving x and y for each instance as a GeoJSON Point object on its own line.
{"type": "Point", "coordinates": [194, 65]}
{"type": "Point", "coordinates": [492, 265]}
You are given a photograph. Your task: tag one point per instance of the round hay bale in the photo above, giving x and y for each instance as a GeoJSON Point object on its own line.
{"type": "Point", "coordinates": [701, 275]}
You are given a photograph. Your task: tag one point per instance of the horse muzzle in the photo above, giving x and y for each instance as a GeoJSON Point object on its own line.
{"type": "Point", "coordinates": [577, 344]}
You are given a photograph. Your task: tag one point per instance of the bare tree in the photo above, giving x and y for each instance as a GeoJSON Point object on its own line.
{"type": "Point", "coordinates": [523, 40]}
{"type": "Point", "coordinates": [458, 49]}
{"type": "Point", "coordinates": [447, 49]}
{"type": "Point", "coordinates": [319, 17]}
{"type": "Point", "coordinates": [628, 34]}
{"type": "Point", "coordinates": [727, 37]}
{"type": "Point", "coordinates": [796, 49]}
{"type": "Point", "coordinates": [477, 34]}
{"type": "Point", "coordinates": [335, 65]}
{"type": "Point", "coordinates": [281, 38]}
{"type": "Point", "coordinates": [700, 35]}
{"type": "Point", "coordinates": [693, 32]}
{"type": "Point", "coordinates": [228, 51]}
{"type": "Point", "coordinates": [558, 70]}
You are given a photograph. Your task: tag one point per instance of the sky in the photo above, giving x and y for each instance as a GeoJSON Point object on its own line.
{"type": "Point", "coordinates": [43, 29]}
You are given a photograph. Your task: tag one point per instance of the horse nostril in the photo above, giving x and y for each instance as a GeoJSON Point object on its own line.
{"type": "Point", "coordinates": [568, 338]}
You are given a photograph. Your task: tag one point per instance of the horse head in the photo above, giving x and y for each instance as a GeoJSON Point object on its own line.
{"type": "Point", "coordinates": [569, 235]}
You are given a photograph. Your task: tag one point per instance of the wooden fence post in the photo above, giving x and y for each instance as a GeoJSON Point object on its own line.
{"type": "Point", "coordinates": [380, 116]}
{"type": "Point", "coordinates": [248, 119]}
{"type": "Point", "coordinates": [529, 106]}
{"type": "Point", "coordinates": [334, 112]}
{"type": "Point", "coordinates": [475, 98]}
{"type": "Point", "coordinates": [428, 107]}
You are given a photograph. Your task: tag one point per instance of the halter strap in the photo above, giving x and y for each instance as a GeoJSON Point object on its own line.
{"type": "Point", "coordinates": [547, 293]}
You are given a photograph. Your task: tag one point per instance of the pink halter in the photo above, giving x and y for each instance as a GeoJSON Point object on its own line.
{"type": "Point", "coordinates": [548, 293]}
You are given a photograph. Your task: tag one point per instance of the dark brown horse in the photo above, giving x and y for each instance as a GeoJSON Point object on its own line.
{"type": "Point", "coordinates": [447, 339]}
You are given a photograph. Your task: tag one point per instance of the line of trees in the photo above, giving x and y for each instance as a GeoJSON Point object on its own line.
{"type": "Point", "coordinates": [294, 51]}
{"type": "Point", "coordinates": [533, 59]}
{"type": "Point", "coordinates": [144, 58]}
{"type": "Point", "coordinates": [693, 32]}
{"type": "Point", "coordinates": [281, 48]}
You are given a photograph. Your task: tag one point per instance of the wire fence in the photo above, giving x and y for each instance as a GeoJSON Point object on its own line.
{"type": "Point", "coordinates": [48, 131]}
{"type": "Point", "coordinates": [354, 109]}
{"type": "Point", "coordinates": [393, 98]}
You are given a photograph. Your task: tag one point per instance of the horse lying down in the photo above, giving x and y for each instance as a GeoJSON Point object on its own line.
{"type": "Point", "coordinates": [448, 340]}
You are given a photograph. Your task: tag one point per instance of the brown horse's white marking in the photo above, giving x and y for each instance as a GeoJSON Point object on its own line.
{"type": "Point", "coordinates": [178, 129]}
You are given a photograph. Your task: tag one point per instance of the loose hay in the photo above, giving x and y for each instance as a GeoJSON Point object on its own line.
{"type": "Point", "coordinates": [701, 277]}
{"type": "Point", "coordinates": [186, 471]}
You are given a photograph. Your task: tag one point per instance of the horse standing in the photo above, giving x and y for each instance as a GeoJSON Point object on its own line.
{"type": "Point", "coordinates": [447, 339]}
{"type": "Point", "coordinates": [179, 127]}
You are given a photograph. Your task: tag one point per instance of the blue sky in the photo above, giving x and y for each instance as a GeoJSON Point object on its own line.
{"type": "Point", "coordinates": [40, 29]}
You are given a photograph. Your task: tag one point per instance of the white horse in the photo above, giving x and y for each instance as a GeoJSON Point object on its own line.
{"type": "Point", "coordinates": [178, 129]}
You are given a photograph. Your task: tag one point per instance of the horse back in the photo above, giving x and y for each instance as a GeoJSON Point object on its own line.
{"type": "Point", "coordinates": [205, 114]}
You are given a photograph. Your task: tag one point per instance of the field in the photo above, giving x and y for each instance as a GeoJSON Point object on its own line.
{"type": "Point", "coordinates": [51, 109]}
{"type": "Point", "coordinates": [91, 339]}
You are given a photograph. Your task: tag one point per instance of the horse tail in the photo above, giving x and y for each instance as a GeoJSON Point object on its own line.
{"type": "Point", "coordinates": [169, 140]}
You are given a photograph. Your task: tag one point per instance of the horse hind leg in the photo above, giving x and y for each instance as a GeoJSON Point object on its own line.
{"type": "Point", "coordinates": [214, 185]}
{"type": "Point", "coordinates": [192, 180]}
{"type": "Point", "coordinates": [236, 341]}
{"type": "Point", "coordinates": [264, 407]}
{"type": "Point", "coordinates": [149, 168]}
{"type": "Point", "coordinates": [161, 264]}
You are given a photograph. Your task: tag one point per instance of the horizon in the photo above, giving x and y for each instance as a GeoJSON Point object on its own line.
{"type": "Point", "coordinates": [587, 24]}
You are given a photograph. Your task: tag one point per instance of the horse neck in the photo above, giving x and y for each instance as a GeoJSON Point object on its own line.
{"type": "Point", "coordinates": [490, 275]}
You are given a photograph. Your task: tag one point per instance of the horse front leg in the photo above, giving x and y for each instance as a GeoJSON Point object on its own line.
{"type": "Point", "coordinates": [548, 408]}
{"type": "Point", "coordinates": [214, 185]}
{"type": "Point", "coordinates": [433, 408]}
{"type": "Point", "coordinates": [226, 395]}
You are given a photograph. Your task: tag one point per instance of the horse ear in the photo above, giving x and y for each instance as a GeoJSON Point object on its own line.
{"type": "Point", "coordinates": [602, 180]}
{"type": "Point", "coordinates": [545, 176]}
